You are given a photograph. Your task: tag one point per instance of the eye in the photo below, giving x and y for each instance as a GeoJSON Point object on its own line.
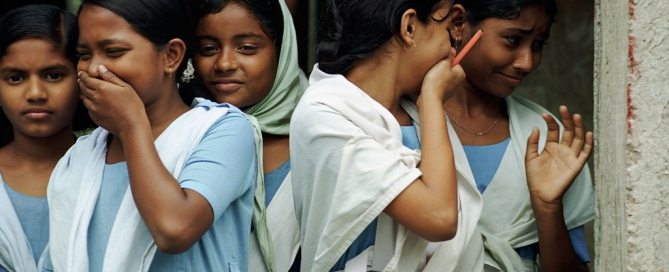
{"type": "Point", "coordinates": [208, 50]}
{"type": "Point", "coordinates": [538, 46]}
{"type": "Point", "coordinates": [512, 41]}
{"type": "Point", "coordinates": [115, 52]}
{"type": "Point", "coordinates": [83, 55]}
{"type": "Point", "coordinates": [54, 76]}
{"type": "Point", "coordinates": [14, 79]}
{"type": "Point", "coordinates": [248, 49]}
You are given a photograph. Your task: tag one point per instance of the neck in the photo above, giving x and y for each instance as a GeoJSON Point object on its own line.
{"type": "Point", "coordinates": [164, 111]}
{"type": "Point", "coordinates": [371, 75]}
{"type": "Point", "coordinates": [470, 102]}
{"type": "Point", "coordinates": [41, 151]}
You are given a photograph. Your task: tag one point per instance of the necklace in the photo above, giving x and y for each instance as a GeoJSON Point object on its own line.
{"type": "Point", "coordinates": [480, 133]}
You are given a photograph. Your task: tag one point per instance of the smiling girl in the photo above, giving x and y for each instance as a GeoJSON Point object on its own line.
{"type": "Point", "coordinates": [160, 186]}
{"type": "Point", "coordinates": [39, 97]}
{"type": "Point", "coordinates": [247, 56]}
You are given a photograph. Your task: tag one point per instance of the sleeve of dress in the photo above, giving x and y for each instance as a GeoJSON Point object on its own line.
{"type": "Point", "coordinates": [223, 166]}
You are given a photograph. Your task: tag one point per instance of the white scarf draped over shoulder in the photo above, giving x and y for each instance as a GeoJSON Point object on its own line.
{"type": "Point", "coordinates": [15, 250]}
{"type": "Point", "coordinates": [75, 185]}
{"type": "Point", "coordinates": [348, 164]}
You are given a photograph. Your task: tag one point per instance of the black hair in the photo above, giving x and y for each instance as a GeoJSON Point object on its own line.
{"type": "Point", "coordinates": [159, 21]}
{"type": "Point", "coordinates": [479, 10]}
{"type": "Point", "coordinates": [49, 23]}
{"type": "Point", "coordinates": [268, 13]}
{"type": "Point", "coordinates": [353, 29]}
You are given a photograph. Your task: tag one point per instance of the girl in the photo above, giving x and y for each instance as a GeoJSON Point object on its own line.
{"type": "Point", "coordinates": [533, 204]}
{"type": "Point", "coordinates": [160, 186]}
{"type": "Point", "coordinates": [247, 56]}
{"type": "Point", "coordinates": [358, 180]}
{"type": "Point", "coordinates": [38, 96]}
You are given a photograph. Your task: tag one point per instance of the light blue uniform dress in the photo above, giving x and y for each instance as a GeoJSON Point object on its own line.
{"type": "Point", "coordinates": [222, 169]}
{"type": "Point", "coordinates": [484, 161]}
{"type": "Point", "coordinates": [33, 213]}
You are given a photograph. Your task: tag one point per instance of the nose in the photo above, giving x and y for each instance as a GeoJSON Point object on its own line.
{"type": "Point", "coordinates": [36, 92]}
{"type": "Point", "coordinates": [89, 66]}
{"type": "Point", "coordinates": [226, 61]}
{"type": "Point", "coordinates": [524, 61]}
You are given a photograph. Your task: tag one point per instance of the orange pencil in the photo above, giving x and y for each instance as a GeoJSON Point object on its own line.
{"type": "Point", "coordinates": [467, 47]}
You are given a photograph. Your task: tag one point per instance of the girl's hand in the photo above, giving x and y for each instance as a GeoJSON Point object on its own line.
{"type": "Point", "coordinates": [550, 173]}
{"type": "Point", "coordinates": [443, 80]}
{"type": "Point", "coordinates": [112, 103]}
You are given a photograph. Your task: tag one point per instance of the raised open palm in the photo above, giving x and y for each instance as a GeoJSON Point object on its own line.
{"type": "Point", "coordinates": [550, 173]}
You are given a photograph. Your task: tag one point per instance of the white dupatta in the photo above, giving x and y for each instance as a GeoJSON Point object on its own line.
{"type": "Point", "coordinates": [75, 185]}
{"type": "Point", "coordinates": [348, 164]}
{"type": "Point", "coordinates": [15, 250]}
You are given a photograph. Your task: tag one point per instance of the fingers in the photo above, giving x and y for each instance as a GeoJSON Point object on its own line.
{"type": "Point", "coordinates": [532, 145]}
{"type": "Point", "coordinates": [587, 148]}
{"type": "Point", "coordinates": [579, 134]}
{"type": "Point", "coordinates": [553, 133]}
{"type": "Point", "coordinates": [108, 76]}
{"type": "Point", "coordinates": [568, 122]}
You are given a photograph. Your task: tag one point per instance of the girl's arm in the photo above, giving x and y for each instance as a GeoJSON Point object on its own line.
{"type": "Point", "coordinates": [176, 217]}
{"type": "Point", "coordinates": [549, 175]}
{"type": "Point", "coordinates": [429, 206]}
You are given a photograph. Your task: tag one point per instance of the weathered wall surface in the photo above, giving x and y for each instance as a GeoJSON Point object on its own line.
{"type": "Point", "coordinates": [648, 135]}
{"type": "Point", "coordinates": [632, 112]}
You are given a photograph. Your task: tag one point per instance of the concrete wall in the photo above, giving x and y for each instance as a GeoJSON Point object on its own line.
{"type": "Point", "coordinates": [632, 111]}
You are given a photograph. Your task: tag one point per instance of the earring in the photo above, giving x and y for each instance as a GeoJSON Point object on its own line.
{"type": "Point", "coordinates": [457, 45]}
{"type": "Point", "coordinates": [169, 72]}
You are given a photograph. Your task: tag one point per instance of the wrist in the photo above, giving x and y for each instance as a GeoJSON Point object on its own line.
{"type": "Point", "coordinates": [543, 207]}
{"type": "Point", "coordinates": [134, 129]}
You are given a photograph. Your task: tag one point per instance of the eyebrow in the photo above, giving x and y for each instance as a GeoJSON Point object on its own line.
{"type": "Point", "coordinates": [236, 37]}
{"type": "Point", "coordinates": [523, 31]}
{"type": "Point", "coordinates": [58, 66]}
{"type": "Point", "coordinates": [103, 43]}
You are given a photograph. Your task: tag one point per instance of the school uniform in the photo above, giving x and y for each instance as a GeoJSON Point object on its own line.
{"type": "Point", "coordinates": [24, 230]}
{"type": "Point", "coordinates": [349, 163]}
{"type": "Point", "coordinates": [96, 225]}
{"type": "Point", "coordinates": [507, 224]}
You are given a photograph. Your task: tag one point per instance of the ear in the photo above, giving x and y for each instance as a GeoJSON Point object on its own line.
{"type": "Point", "coordinates": [459, 26]}
{"type": "Point", "coordinates": [174, 52]}
{"type": "Point", "coordinates": [408, 28]}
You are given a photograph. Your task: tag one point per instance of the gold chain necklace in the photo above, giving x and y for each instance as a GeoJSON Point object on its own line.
{"type": "Point", "coordinates": [480, 133]}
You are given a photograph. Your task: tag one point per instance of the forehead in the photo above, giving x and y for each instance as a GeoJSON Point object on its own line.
{"type": "Point", "coordinates": [96, 23]}
{"type": "Point", "coordinates": [533, 19]}
{"type": "Point", "coordinates": [232, 19]}
{"type": "Point", "coordinates": [33, 53]}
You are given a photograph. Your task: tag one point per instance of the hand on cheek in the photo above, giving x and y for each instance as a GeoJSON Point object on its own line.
{"type": "Point", "coordinates": [112, 103]}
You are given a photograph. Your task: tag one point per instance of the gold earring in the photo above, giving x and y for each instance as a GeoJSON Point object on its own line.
{"type": "Point", "coordinates": [169, 72]}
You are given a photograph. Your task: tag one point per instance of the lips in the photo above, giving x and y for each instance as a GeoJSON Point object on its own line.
{"type": "Point", "coordinates": [37, 113]}
{"type": "Point", "coordinates": [227, 85]}
{"type": "Point", "coordinates": [513, 79]}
